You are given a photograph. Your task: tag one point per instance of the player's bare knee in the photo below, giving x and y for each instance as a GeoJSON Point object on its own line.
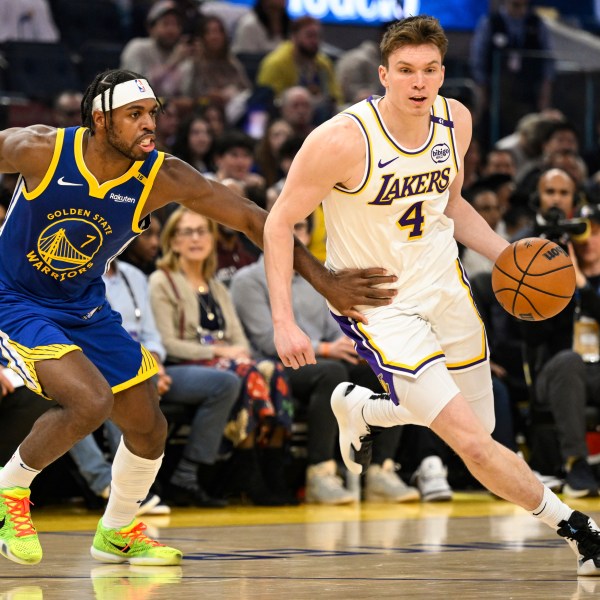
{"type": "Point", "coordinates": [476, 450]}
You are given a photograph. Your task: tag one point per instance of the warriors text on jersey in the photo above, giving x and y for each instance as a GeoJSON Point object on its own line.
{"type": "Point", "coordinates": [58, 238]}
{"type": "Point", "coordinates": [395, 217]}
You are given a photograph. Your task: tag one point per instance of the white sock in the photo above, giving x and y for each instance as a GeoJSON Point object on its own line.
{"type": "Point", "coordinates": [132, 477]}
{"type": "Point", "coordinates": [16, 473]}
{"type": "Point", "coordinates": [382, 413]}
{"type": "Point", "coordinates": [552, 510]}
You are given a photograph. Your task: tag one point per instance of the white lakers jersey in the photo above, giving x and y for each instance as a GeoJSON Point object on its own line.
{"type": "Point", "coordinates": [395, 217]}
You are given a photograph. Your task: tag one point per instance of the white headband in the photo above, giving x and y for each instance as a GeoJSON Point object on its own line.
{"type": "Point", "coordinates": [124, 93]}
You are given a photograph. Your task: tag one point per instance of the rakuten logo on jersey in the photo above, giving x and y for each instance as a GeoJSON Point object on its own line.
{"type": "Point", "coordinates": [349, 10]}
{"type": "Point", "coordinates": [119, 198]}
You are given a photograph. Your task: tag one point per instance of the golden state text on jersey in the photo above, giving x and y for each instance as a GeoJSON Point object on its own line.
{"type": "Point", "coordinates": [59, 237]}
{"type": "Point", "coordinates": [395, 217]}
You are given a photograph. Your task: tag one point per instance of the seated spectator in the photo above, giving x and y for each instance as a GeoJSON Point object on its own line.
{"type": "Point", "coordinates": [214, 114]}
{"type": "Point", "coordinates": [167, 124]}
{"type": "Point", "coordinates": [165, 57]}
{"type": "Point", "coordinates": [217, 74]}
{"type": "Point", "coordinates": [285, 155]}
{"type": "Point", "coordinates": [199, 326]}
{"type": "Point", "coordinates": [66, 109]}
{"type": "Point", "coordinates": [297, 107]}
{"type": "Point", "coordinates": [143, 251]}
{"type": "Point", "coordinates": [485, 201]}
{"type": "Point", "coordinates": [267, 150]}
{"type": "Point", "coordinates": [337, 361]}
{"type": "Point", "coordinates": [211, 391]}
{"type": "Point", "coordinates": [499, 162]}
{"type": "Point", "coordinates": [27, 21]}
{"type": "Point", "coordinates": [262, 29]}
{"type": "Point", "coordinates": [357, 71]}
{"type": "Point", "coordinates": [300, 61]}
{"type": "Point", "coordinates": [193, 143]}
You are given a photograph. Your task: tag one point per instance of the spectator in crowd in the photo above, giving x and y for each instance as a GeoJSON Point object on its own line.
{"type": "Point", "coordinates": [214, 114]}
{"type": "Point", "coordinates": [199, 326]}
{"type": "Point", "coordinates": [262, 29]}
{"type": "Point", "coordinates": [27, 21]}
{"type": "Point", "coordinates": [499, 161]}
{"type": "Point", "coordinates": [210, 391]}
{"type": "Point", "coordinates": [167, 125]}
{"type": "Point", "coordinates": [312, 386]}
{"type": "Point", "coordinates": [285, 156]}
{"type": "Point", "coordinates": [66, 108]}
{"type": "Point", "coordinates": [561, 378]}
{"type": "Point", "coordinates": [166, 55]}
{"type": "Point", "coordinates": [472, 163]}
{"type": "Point", "coordinates": [485, 201]}
{"type": "Point", "coordinates": [297, 107]}
{"type": "Point", "coordinates": [357, 72]}
{"type": "Point", "coordinates": [193, 143]}
{"type": "Point", "coordinates": [511, 46]}
{"type": "Point", "coordinates": [266, 155]}
{"type": "Point", "coordinates": [559, 137]}
{"type": "Point", "coordinates": [217, 74]}
{"type": "Point", "coordinates": [300, 61]}
{"type": "Point", "coordinates": [144, 249]}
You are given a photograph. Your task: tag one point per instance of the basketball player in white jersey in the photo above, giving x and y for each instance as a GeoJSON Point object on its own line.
{"type": "Point", "coordinates": [388, 172]}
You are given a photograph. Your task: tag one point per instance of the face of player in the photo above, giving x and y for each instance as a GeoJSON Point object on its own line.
{"type": "Point", "coordinates": [193, 240]}
{"type": "Point", "coordinates": [556, 189]}
{"type": "Point", "coordinates": [131, 129]}
{"type": "Point", "coordinates": [413, 78]}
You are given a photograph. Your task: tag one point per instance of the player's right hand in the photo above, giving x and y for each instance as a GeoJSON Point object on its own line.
{"type": "Point", "coordinates": [294, 346]}
{"type": "Point", "coordinates": [356, 287]}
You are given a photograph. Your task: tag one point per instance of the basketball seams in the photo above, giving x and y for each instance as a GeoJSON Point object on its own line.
{"type": "Point", "coordinates": [522, 292]}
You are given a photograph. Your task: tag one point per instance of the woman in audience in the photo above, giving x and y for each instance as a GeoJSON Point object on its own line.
{"type": "Point", "coordinates": [263, 28]}
{"type": "Point", "coordinates": [193, 143]}
{"type": "Point", "coordinates": [198, 324]}
{"type": "Point", "coordinates": [267, 151]}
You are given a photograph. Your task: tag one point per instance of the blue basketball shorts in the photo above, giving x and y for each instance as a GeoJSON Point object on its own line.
{"type": "Point", "coordinates": [31, 332]}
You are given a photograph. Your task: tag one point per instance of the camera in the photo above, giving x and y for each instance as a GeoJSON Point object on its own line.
{"type": "Point", "coordinates": [554, 226]}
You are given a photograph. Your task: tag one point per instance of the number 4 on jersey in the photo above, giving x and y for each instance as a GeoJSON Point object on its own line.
{"type": "Point", "coordinates": [413, 219]}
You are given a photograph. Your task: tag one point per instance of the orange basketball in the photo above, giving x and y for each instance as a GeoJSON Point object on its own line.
{"type": "Point", "coordinates": [533, 279]}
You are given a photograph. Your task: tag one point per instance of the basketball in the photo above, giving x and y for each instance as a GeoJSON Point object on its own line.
{"type": "Point", "coordinates": [533, 279]}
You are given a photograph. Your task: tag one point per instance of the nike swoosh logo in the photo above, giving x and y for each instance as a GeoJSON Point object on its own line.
{"type": "Point", "coordinates": [124, 549]}
{"type": "Point", "coordinates": [28, 468]}
{"type": "Point", "coordinates": [2, 522]}
{"type": "Point", "coordinates": [62, 181]}
{"type": "Point", "coordinates": [381, 165]}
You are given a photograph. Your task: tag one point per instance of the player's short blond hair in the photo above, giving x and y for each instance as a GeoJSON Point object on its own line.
{"type": "Point", "coordinates": [413, 31]}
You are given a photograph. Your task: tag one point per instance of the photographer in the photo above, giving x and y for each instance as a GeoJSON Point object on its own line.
{"type": "Point", "coordinates": [562, 381]}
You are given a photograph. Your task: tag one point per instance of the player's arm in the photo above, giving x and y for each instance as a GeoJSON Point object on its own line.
{"type": "Point", "coordinates": [179, 182]}
{"type": "Point", "coordinates": [470, 228]}
{"type": "Point", "coordinates": [27, 150]}
{"type": "Point", "coordinates": [329, 156]}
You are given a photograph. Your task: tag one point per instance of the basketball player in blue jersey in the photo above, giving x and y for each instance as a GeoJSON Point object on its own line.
{"type": "Point", "coordinates": [83, 194]}
{"type": "Point", "coordinates": [388, 172]}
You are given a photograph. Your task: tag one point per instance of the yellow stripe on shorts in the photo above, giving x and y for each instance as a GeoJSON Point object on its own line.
{"type": "Point", "coordinates": [148, 368]}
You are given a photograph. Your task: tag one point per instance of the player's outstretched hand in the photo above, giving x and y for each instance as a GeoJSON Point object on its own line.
{"type": "Point", "coordinates": [355, 287]}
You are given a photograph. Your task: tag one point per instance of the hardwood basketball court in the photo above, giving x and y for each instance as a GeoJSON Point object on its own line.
{"type": "Point", "coordinates": [471, 548]}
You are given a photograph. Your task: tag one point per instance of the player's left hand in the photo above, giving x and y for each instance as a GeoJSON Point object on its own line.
{"type": "Point", "coordinates": [293, 346]}
{"type": "Point", "coordinates": [354, 287]}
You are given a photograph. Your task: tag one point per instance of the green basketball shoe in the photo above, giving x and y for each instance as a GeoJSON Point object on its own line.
{"type": "Point", "coordinates": [130, 544]}
{"type": "Point", "coordinates": [18, 538]}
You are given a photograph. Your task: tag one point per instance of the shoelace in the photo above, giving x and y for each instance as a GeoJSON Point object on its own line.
{"type": "Point", "coordinates": [18, 509]}
{"type": "Point", "coordinates": [588, 539]}
{"type": "Point", "coordinates": [137, 534]}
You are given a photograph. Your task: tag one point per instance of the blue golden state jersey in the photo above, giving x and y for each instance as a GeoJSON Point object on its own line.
{"type": "Point", "coordinates": [58, 239]}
